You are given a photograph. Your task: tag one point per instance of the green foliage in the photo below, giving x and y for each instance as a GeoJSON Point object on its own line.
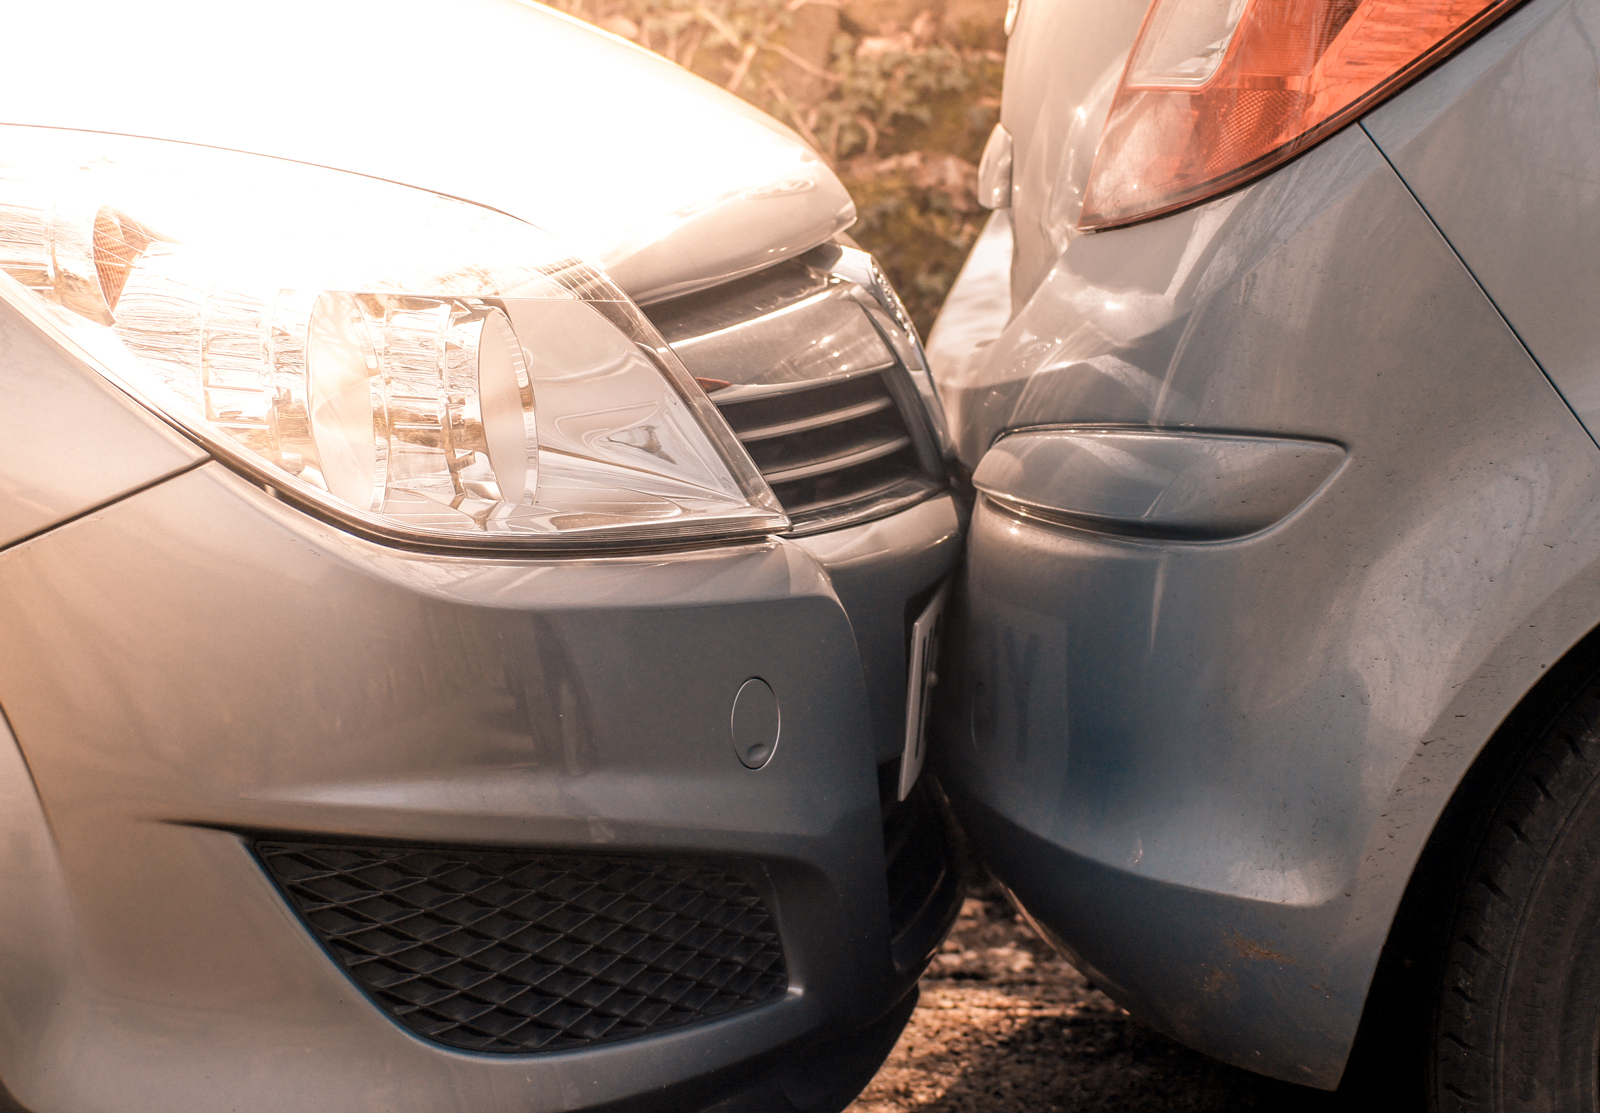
{"type": "Point", "coordinates": [918, 233]}
{"type": "Point", "coordinates": [900, 105]}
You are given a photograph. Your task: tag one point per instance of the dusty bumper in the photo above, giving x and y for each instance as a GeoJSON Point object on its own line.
{"type": "Point", "coordinates": [200, 664]}
{"type": "Point", "coordinates": [1208, 759]}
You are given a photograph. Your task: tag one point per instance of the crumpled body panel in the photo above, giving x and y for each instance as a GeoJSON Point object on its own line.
{"type": "Point", "coordinates": [1209, 766]}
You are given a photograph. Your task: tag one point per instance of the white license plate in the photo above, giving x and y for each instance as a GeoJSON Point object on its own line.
{"type": "Point", "coordinates": [919, 687]}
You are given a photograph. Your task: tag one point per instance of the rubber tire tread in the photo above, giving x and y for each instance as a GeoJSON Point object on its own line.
{"type": "Point", "coordinates": [1507, 1036]}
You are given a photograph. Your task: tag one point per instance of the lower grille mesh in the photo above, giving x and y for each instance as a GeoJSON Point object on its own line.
{"type": "Point", "coordinates": [516, 953]}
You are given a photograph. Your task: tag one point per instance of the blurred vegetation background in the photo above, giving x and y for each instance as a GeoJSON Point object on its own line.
{"type": "Point", "coordinates": [897, 95]}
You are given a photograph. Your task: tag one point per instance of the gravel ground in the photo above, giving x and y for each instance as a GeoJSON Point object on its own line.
{"type": "Point", "coordinates": [1006, 1026]}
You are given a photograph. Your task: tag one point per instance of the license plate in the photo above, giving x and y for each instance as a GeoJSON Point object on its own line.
{"type": "Point", "coordinates": [919, 688]}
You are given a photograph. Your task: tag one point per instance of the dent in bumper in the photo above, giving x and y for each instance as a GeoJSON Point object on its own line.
{"type": "Point", "coordinates": [1213, 764]}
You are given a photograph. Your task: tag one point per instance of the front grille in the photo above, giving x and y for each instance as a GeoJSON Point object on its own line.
{"type": "Point", "coordinates": [829, 444]}
{"type": "Point", "coordinates": [798, 361]}
{"type": "Point", "coordinates": [514, 953]}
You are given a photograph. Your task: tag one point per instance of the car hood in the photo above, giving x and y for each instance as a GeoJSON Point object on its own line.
{"type": "Point", "coordinates": [668, 182]}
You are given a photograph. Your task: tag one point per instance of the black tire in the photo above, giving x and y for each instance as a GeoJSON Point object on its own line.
{"type": "Point", "coordinates": [1517, 1020]}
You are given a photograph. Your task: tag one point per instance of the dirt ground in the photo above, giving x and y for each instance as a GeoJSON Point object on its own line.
{"type": "Point", "coordinates": [1006, 1026]}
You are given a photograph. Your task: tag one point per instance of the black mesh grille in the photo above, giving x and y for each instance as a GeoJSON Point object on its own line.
{"type": "Point", "coordinates": [515, 953]}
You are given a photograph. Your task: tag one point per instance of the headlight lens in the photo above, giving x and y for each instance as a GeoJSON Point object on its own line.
{"type": "Point", "coordinates": [423, 368]}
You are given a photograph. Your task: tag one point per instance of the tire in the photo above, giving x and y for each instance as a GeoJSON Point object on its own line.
{"type": "Point", "coordinates": [1517, 1020]}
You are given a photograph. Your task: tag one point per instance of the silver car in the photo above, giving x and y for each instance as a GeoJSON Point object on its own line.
{"type": "Point", "coordinates": [1276, 698]}
{"type": "Point", "coordinates": [472, 535]}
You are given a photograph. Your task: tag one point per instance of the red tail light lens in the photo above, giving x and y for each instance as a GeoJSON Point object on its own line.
{"type": "Point", "coordinates": [1220, 91]}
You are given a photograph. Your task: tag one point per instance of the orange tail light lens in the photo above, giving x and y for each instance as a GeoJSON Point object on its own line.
{"type": "Point", "coordinates": [1217, 92]}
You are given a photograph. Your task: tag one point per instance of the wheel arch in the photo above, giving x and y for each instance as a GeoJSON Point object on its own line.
{"type": "Point", "coordinates": [1391, 1038]}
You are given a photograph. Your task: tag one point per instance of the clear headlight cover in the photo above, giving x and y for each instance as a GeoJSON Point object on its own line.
{"type": "Point", "coordinates": [422, 368]}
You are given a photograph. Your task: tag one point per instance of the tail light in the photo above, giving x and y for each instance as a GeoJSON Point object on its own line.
{"type": "Point", "coordinates": [1217, 92]}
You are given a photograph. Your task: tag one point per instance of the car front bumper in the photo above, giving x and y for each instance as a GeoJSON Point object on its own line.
{"type": "Point", "coordinates": [199, 665]}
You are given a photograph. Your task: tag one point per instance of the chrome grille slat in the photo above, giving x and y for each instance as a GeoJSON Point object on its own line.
{"type": "Point", "coordinates": [826, 327]}
{"type": "Point", "coordinates": [838, 463]}
{"type": "Point", "coordinates": [825, 513]}
{"type": "Point", "coordinates": [801, 425]}
{"type": "Point", "coordinates": [819, 396]}
{"type": "Point", "coordinates": [826, 446]}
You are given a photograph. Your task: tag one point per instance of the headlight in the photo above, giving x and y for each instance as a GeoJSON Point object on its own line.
{"type": "Point", "coordinates": [423, 368]}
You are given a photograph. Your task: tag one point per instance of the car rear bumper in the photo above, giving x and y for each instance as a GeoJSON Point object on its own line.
{"type": "Point", "coordinates": [1207, 756]}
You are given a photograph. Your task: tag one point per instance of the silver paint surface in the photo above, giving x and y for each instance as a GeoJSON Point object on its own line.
{"type": "Point", "coordinates": [994, 170]}
{"type": "Point", "coordinates": [200, 659]}
{"type": "Point", "coordinates": [1500, 149]}
{"type": "Point", "coordinates": [876, 568]}
{"type": "Point", "coordinates": [40, 959]}
{"type": "Point", "coordinates": [1063, 63]}
{"type": "Point", "coordinates": [1209, 767]}
{"type": "Point", "coordinates": [978, 306]}
{"type": "Point", "coordinates": [110, 445]}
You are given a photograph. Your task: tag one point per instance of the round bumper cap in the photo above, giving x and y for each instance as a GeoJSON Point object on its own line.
{"type": "Point", "coordinates": [755, 723]}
